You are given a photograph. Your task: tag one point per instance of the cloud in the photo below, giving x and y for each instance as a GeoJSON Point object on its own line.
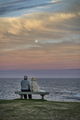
{"type": "Point", "coordinates": [17, 5]}
{"type": "Point", "coordinates": [20, 47]}
{"type": "Point", "coordinates": [72, 6]}
{"type": "Point", "coordinates": [18, 32]}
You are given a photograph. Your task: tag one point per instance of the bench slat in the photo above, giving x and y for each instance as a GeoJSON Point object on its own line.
{"type": "Point", "coordinates": [43, 93]}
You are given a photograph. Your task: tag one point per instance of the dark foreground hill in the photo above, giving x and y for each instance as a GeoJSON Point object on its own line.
{"type": "Point", "coordinates": [39, 110]}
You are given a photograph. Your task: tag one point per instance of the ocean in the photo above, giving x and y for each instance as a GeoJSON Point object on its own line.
{"type": "Point", "coordinates": [60, 89]}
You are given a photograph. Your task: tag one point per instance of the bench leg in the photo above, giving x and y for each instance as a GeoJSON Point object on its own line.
{"type": "Point", "coordinates": [21, 96]}
{"type": "Point", "coordinates": [42, 97]}
{"type": "Point", "coordinates": [30, 96]}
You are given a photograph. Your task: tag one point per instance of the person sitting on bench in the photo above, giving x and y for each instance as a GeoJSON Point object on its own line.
{"type": "Point", "coordinates": [25, 87]}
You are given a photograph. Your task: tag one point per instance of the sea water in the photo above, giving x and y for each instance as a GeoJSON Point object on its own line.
{"type": "Point", "coordinates": [60, 89]}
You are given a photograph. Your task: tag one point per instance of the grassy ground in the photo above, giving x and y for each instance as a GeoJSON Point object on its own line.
{"type": "Point", "coordinates": [38, 110]}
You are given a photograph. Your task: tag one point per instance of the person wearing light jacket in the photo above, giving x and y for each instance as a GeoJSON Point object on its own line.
{"type": "Point", "coordinates": [25, 87]}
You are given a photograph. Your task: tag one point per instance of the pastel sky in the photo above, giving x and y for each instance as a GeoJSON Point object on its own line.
{"type": "Point", "coordinates": [39, 34]}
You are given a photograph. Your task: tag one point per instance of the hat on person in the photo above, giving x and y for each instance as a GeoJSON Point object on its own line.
{"type": "Point", "coordinates": [25, 77]}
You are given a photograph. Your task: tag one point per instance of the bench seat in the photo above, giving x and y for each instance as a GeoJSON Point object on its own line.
{"type": "Point", "coordinates": [42, 94]}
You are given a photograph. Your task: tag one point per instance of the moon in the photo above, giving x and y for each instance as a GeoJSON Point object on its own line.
{"type": "Point", "coordinates": [36, 41]}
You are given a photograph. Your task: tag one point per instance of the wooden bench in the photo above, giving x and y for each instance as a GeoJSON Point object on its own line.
{"type": "Point", "coordinates": [42, 94]}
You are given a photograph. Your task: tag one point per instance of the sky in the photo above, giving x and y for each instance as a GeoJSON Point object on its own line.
{"type": "Point", "coordinates": [39, 35]}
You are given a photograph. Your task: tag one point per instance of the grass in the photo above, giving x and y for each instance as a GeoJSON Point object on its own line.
{"type": "Point", "coordinates": [38, 110]}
